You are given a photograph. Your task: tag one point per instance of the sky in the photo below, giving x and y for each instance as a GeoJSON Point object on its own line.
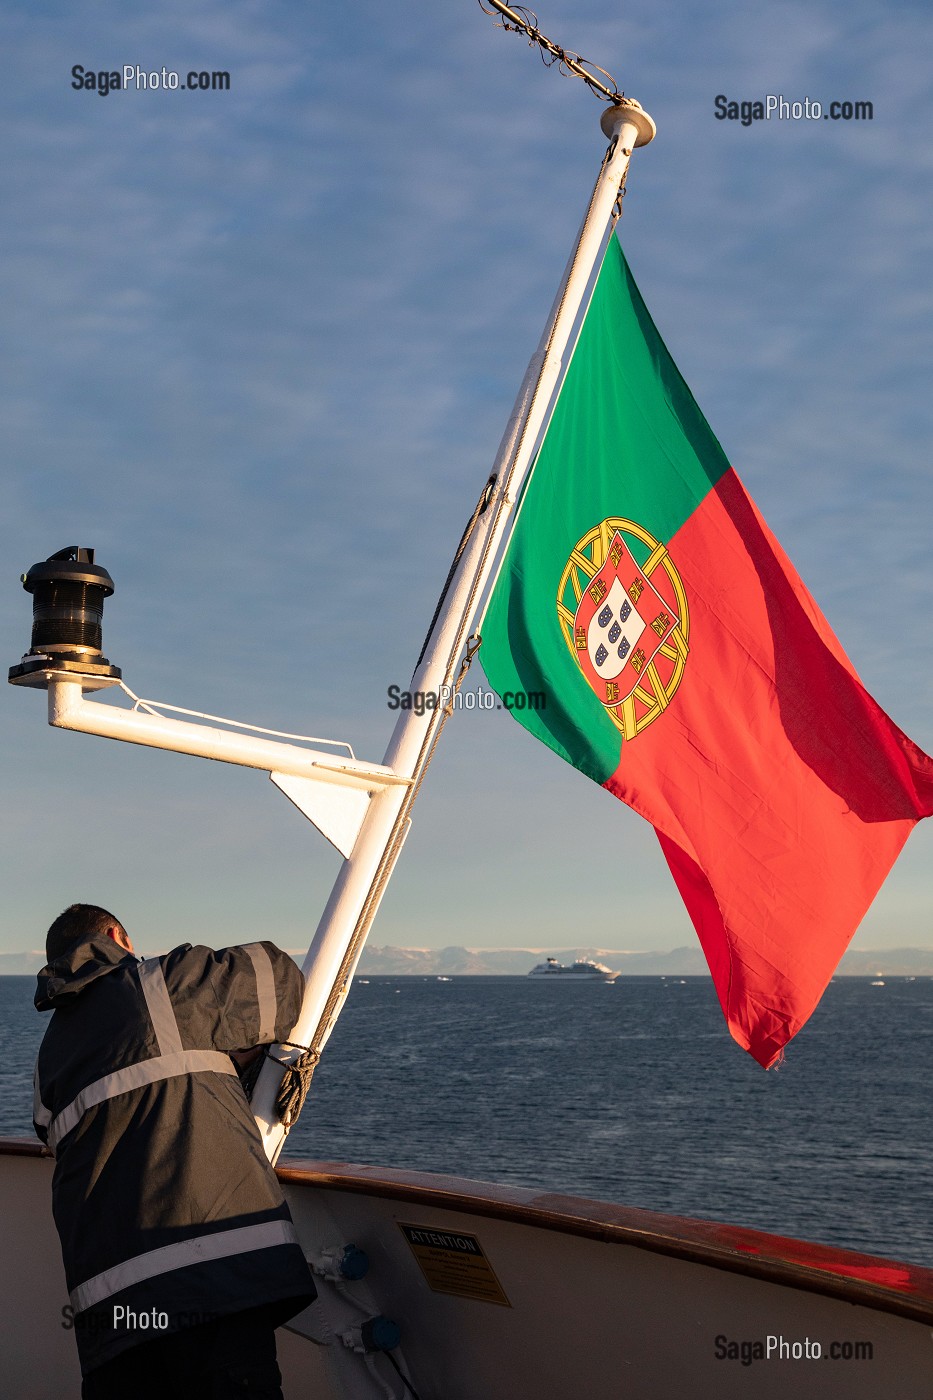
{"type": "Point", "coordinates": [259, 348]}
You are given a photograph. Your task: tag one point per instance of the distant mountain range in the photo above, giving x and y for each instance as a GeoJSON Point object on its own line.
{"type": "Point", "coordinates": [515, 962]}
{"type": "Point", "coordinates": [679, 962]}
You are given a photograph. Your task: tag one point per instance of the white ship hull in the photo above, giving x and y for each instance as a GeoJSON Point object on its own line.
{"type": "Point", "coordinates": [573, 976]}
{"type": "Point", "coordinates": [596, 1300]}
{"type": "Point", "coordinates": [583, 970]}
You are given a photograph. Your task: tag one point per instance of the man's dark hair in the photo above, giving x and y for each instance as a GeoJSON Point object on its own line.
{"type": "Point", "coordinates": [79, 923]}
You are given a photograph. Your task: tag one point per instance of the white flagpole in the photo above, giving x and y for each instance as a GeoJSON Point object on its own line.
{"type": "Point", "coordinates": [338, 941]}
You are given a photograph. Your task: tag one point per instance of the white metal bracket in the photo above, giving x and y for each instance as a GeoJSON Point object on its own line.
{"type": "Point", "coordinates": [332, 790]}
{"type": "Point", "coordinates": [337, 812]}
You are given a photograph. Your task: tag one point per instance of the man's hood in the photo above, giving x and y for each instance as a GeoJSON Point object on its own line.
{"type": "Point", "coordinates": [84, 962]}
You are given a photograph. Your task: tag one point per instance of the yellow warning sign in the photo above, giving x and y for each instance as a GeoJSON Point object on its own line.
{"type": "Point", "coordinates": [454, 1263]}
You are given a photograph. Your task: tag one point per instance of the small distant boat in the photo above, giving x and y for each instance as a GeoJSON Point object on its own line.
{"type": "Point", "coordinates": [877, 984]}
{"type": "Point", "coordinates": [583, 970]}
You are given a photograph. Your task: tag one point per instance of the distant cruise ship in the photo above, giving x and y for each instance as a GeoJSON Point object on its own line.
{"type": "Point", "coordinates": [580, 971]}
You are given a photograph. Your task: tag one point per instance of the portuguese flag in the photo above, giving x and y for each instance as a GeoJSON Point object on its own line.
{"type": "Point", "coordinates": [686, 668]}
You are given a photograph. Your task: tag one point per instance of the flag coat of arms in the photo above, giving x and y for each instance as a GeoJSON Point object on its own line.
{"type": "Point", "coordinates": [613, 638]}
{"type": "Point", "coordinates": [687, 669]}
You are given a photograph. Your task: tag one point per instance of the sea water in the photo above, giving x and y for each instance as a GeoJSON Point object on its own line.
{"type": "Point", "coordinates": [630, 1092]}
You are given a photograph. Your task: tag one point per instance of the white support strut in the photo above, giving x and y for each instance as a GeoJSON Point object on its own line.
{"type": "Point", "coordinates": [69, 710]}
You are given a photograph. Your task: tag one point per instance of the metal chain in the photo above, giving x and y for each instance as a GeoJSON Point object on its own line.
{"type": "Point", "coordinates": [521, 20]}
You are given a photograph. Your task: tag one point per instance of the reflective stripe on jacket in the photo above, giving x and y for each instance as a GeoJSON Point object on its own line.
{"type": "Point", "coordinates": [163, 1197]}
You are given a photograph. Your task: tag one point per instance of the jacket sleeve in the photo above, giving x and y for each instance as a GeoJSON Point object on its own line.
{"type": "Point", "coordinates": [234, 998]}
{"type": "Point", "coordinates": [41, 1116]}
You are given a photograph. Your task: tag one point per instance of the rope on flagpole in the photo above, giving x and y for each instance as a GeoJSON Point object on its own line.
{"type": "Point", "coordinates": [522, 20]}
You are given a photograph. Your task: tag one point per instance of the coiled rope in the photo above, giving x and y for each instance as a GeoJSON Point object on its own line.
{"type": "Point", "coordinates": [296, 1079]}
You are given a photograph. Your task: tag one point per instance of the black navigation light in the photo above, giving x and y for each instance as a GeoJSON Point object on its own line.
{"type": "Point", "coordinates": [68, 591]}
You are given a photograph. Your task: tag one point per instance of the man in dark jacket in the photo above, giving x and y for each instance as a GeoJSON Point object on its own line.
{"type": "Point", "coordinates": [180, 1254]}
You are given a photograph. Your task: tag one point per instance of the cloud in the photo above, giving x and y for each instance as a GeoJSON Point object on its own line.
{"type": "Point", "coordinates": [261, 345]}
